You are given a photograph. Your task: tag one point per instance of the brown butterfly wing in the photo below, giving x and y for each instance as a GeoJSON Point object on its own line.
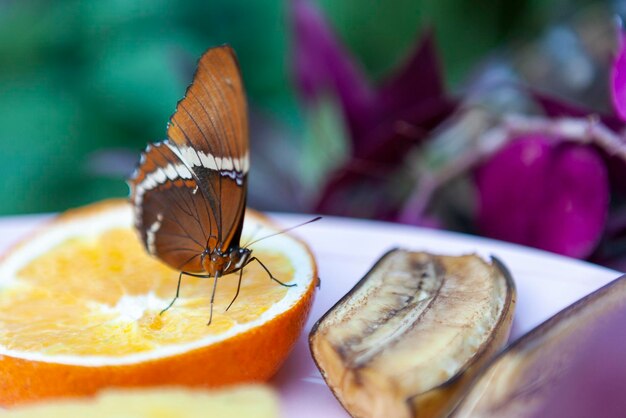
{"type": "Point", "coordinates": [210, 130]}
{"type": "Point", "coordinates": [189, 192]}
{"type": "Point", "coordinates": [174, 218]}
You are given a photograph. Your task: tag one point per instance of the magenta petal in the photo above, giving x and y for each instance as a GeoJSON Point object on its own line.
{"type": "Point", "coordinates": [508, 186]}
{"type": "Point", "coordinates": [578, 205]}
{"type": "Point", "coordinates": [545, 194]}
{"type": "Point", "coordinates": [618, 80]}
{"type": "Point", "coordinates": [419, 80]}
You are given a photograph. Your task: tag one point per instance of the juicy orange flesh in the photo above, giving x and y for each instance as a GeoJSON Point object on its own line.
{"type": "Point", "coordinates": [103, 297]}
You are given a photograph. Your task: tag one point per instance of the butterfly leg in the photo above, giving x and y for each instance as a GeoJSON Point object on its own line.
{"type": "Point", "coordinates": [269, 273]}
{"type": "Point", "coordinates": [213, 297]}
{"type": "Point", "coordinates": [180, 278]}
{"type": "Point", "coordinates": [238, 287]}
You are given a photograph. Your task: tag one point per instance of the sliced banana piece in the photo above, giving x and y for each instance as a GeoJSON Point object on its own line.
{"type": "Point", "coordinates": [405, 340]}
{"type": "Point", "coordinates": [572, 365]}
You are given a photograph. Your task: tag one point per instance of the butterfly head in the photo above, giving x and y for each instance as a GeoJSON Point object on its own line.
{"type": "Point", "coordinates": [217, 262]}
{"type": "Point", "coordinates": [240, 257]}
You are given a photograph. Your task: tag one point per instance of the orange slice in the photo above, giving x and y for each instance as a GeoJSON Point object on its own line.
{"type": "Point", "coordinates": [80, 306]}
{"type": "Point", "coordinates": [254, 401]}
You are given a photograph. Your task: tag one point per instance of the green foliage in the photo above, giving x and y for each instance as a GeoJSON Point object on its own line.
{"type": "Point", "coordinates": [77, 76]}
{"type": "Point", "coordinates": [382, 32]}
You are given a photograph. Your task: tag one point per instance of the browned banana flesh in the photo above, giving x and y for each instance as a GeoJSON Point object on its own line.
{"type": "Point", "coordinates": [572, 365]}
{"type": "Point", "coordinates": [406, 339]}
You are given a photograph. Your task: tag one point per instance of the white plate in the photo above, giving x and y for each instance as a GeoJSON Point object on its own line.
{"type": "Point", "coordinates": [346, 249]}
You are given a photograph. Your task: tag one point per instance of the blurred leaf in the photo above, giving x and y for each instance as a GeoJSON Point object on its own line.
{"type": "Point", "coordinates": [36, 32]}
{"type": "Point", "coordinates": [137, 81]}
{"type": "Point", "coordinates": [274, 183]}
{"type": "Point", "coordinates": [258, 32]}
{"type": "Point", "coordinates": [103, 16]}
{"type": "Point", "coordinates": [41, 146]}
{"type": "Point", "coordinates": [326, 144]}
{"type": "Point", "coordinates": [364, 26]}
{"type": "Point", "coordinates": [465, 31]}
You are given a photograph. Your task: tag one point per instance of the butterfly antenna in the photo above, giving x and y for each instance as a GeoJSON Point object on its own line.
{"type": "Point", "coordinates": [256, 231]}
{"type": "Point", "coordinates": [286, 230]}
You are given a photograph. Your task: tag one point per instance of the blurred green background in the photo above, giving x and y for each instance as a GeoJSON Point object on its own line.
{"type": "Point", "coordinates": [84, 85]}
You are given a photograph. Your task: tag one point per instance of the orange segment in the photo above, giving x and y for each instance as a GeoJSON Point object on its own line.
{"type": "Point", "coordinates": [254, 401]}
{"type": "Point", "coordinates": [84, 292]}
{"type": "Point", "coordinates": [105, 296]}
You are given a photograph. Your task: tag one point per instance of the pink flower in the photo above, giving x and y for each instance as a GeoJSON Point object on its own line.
{"type": "Point", "coordinates": [384, 122]}
{"type": "Point", "coordinates": [545, 193]}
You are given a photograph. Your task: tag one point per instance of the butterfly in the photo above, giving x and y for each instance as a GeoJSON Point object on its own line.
{"type": "Point", "coordinates": [189, 191]}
